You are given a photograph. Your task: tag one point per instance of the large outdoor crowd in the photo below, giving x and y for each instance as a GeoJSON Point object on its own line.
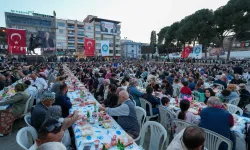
{"type": "Point", "coordinates": [118, 86]}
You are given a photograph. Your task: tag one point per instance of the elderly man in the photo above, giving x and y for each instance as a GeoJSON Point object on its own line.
{"type": "Point", "coordinates": [126, 114]}
{"type": "Point", "coordinates": [217, 119]}
{"type": "Point", "coordinates": [221, 81]}
{"type": "Point", "coordinates": [39, 112]}
{"type": "Point", "coordinates": [39, 82]}
{"type": "Point", "coordinates": [190, 138]}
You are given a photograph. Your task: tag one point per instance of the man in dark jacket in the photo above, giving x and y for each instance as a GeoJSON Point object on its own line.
{"type": "Point", "coordinates": [39, 112]}
{"type": "Point", "coordinates": [63, 101]}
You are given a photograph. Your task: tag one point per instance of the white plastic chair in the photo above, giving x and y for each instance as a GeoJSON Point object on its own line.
{"type": "Point", "coordinates": [178, 125]}
{"type": "Point", "coordinates": [213, 140]}
{"type": "Point", "coordinates": [166, 116]}
{"type": "Point", "coordinates": [144, 104]}
{"type": "Point", "coordinates": [234, 101]}
{"type": "Point", "coordinates": [28, 106]}
{"type": "Point", "coordinates": [27, 120]}
{"type": "Point", "coordinates": [22, 137]}
{"type": "Point", "coordinates": [220, 86]}
{"type": "Point", "coordinates": [233, 109]}
{"type": "Point", "coordinates": [141, 117]}
{"type": "Point", "coordinates": [248, 107]}
{"type": "Point", "coordinates": [157, 133]}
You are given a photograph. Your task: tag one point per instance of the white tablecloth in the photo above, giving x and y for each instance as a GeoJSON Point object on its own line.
{"type": "Point", "coordinates": [99, 132]}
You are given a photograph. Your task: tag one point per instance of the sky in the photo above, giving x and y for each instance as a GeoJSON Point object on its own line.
{"type": "Point", "coordinates": [138, 17]}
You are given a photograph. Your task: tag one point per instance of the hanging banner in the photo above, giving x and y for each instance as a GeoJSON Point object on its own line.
{"type": "Point", "coordinates": [186, 51]}
{"type": "Point", "coordinates": [16, 41]}
{"type": "Point", "coordinates": [108, 28]}
{"type": "Point", "coordinates": [89, 47]}
{"type": "Point", "coordinates": [197, 51]}
{"type": "Point", "coordinates": [105, 48]}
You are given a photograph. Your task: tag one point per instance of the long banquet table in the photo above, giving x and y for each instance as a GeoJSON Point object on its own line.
{"type": "Point", "coordinates": [87, 134]}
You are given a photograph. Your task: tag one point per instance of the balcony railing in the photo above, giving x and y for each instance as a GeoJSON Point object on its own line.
{"type": "Point", "coordinates": [71, 27]}
{"type": "Point", "coordinates": [80, 28]}
{"type": "Point", "coordinates": [80, 34]}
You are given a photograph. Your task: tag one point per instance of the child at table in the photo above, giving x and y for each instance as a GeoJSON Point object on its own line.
{"type": "Point", "coordinates": [165, 103]}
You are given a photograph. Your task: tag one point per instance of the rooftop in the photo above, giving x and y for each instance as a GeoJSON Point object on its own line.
{"type": "Point", "coordinates": [100, 19]}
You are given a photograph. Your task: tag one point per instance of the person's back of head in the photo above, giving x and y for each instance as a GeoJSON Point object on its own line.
{"type": "Point", "coordinates": [184, 105]}
{"type": "Point", "coordinates": [149, 90]}
{"type": "Point", "coordinates": [52, 146]}
{"type": "Point", "coordinates": [226, 92]}
{"type": "Point", "coordinates": [194, 138]}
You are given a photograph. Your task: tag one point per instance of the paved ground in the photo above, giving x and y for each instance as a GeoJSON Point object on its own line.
{"type": "Point", "coordinates": [8, 142]}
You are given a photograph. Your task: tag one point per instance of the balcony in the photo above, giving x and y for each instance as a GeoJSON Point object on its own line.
{"type": "Point", "coordinates": [71, 28]}
{"type": "Point", "coordinates": [80, 41]}
{"type": "Point", "coordinates": [71, 40]}
{"type": "Point", "coordinates": [80, 35]}
{"type": "Point", "coordinates": [80, 28]}
{"type": "Point", "coordinates": [71, 34]}
{"type": "Point", "coordinates": [71, 47]}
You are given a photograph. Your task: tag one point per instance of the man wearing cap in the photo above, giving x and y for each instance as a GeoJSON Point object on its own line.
{"type": "Point", "coordinates": [40, 110]}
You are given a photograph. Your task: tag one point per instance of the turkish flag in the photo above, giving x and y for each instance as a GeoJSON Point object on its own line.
{"type": "Point", "coordinates": [16, 41]}
{"type": "Point", "coordinates": [186, 51]}
{"type": "Point", "coordinates": [89, 47]}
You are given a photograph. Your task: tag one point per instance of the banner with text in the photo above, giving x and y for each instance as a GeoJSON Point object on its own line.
{"type": "Point", "coordinates": [197, 51]}
{"type": "Point", "coordinates": [108, 28]}
{"type": "Point", "coordinates": [16, 41]}
{"type": "Point", "coordinates": [105, 48]}
{"type": "Point", "coordinates": [89, 47]}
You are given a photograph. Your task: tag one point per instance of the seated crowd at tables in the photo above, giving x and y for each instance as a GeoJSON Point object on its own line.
{"type": "Point", "coordinates": [119, 90]}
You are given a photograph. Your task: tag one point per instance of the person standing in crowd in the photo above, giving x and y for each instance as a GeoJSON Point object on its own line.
{"type": "Point", "coordinates": [190, 138]}
{"type": "Point", "coordinates": [126, 115]}
{"type": "Point", "coordinates": [176, 88]}
{"type": "Point", "coordinates": [18, 103]}
{"type": "Point", "coordinates": [113, 80]}
{"type": "Point", "coordinates": [217, 119]}
{"type": "Point", "coordinates": [63, 100]}
{"type": "Point", "coordinates": [134, 92]}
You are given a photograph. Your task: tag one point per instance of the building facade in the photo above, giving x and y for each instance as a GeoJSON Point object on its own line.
{"type": "Point", "coordinates": [35, 24]}
{"type": "Point", "coordinates": [92, 27]}
{"type": "Point", "coordinates": [130, 49]}
{"type": "Point", "coordinates": [69, 37]}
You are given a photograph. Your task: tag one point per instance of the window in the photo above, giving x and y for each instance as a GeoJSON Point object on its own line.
{"type": "Point", "coordinates": [117, 45]}
{"type": "Point", "coordinates": [132, 45]}
{"type": "Point", "coordinates": [98, 38]}
{"type": "Point", "coordinates": [97, 32]}
{"type": "Point", "coordinates": [111, 51]}
{"type": "Point", "coordinates": [118, 52]}
{"type": "Point", "coordinates": [80, 32]}
{"type": "Point", "coordinates": [60, 30]}
{"type": "Point", "coordinates": [61, 24]}
{"type": "Point", "coordinates": [98, 44]}
{"type": "Point", "coordinates": [97, 26]}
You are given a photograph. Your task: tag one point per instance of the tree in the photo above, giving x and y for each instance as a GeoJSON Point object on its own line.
{"type": "Point", "coordinates": [232, 20]}
{"type": "Point", "coordinates": [153, 39]}
{"type": "Point", "coordinates": [162, 34]}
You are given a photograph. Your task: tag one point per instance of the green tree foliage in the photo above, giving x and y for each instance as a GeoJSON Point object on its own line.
{"type": "Point", "coordinates": [209, 27]}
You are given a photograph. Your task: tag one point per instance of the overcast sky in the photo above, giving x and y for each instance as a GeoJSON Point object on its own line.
{"type": "Point", "coordinates": [138, 17]}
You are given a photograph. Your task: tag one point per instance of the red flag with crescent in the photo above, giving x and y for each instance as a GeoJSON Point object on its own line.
{"type": "Point", "coordinates": [16, 41]}
{"type": "Point", "coordinates": [89, 47]}
{"type": "Point", "coordinates": [186, 51]}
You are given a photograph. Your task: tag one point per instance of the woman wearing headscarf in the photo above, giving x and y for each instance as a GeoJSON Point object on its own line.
{"type": "Point", "coordinates": [18, 102]}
